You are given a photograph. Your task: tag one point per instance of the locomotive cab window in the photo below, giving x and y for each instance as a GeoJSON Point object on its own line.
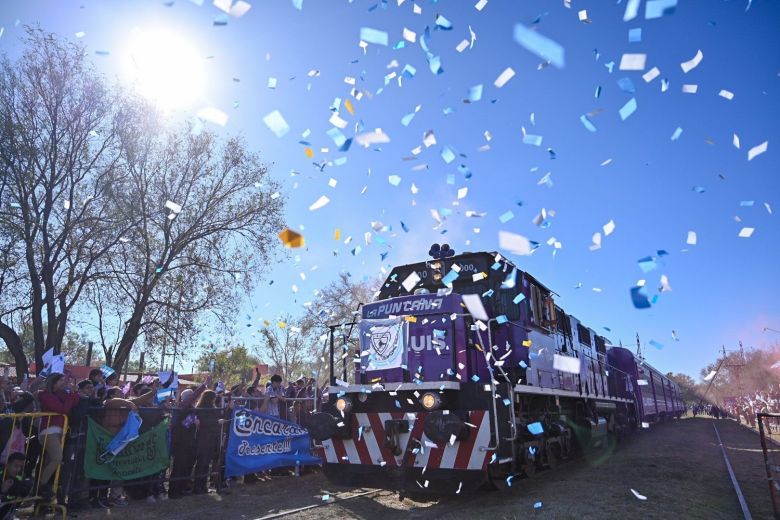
{"type": "Point", "coordinates": [584, 335]}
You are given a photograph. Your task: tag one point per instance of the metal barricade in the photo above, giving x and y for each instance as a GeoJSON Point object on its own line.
{"type": "Point", "coordinates": [769, 430]}
{"type": "Point", "coordinates": [24, 435]}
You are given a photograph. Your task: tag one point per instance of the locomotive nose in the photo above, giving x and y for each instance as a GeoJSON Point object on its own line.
{"type": "Point", "coordinates": [441, 427]}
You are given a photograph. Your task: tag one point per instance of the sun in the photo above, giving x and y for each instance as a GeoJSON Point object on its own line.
{"type": "Point", "coordinates": [165, 68]}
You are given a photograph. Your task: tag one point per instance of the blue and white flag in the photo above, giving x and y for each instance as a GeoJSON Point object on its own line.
{"type": "Point", "coordinates": [258, 442]}
{"type": "Point", "coordinates": [382, 343]}
{"type": "Point", "coordinates": [125, 436]}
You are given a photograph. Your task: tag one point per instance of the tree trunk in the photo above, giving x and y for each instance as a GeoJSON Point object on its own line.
{"type": "Point", "coordinates": [14, 344]}
{"type": "Point", "coordinates": [129, 336]}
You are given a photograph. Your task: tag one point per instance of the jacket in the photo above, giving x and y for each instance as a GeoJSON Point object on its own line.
{"type": "Point", "coordinates": [60, 402]}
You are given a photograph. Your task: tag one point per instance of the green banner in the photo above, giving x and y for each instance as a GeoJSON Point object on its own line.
{"type": "Point", "coordinates": [145, 456]}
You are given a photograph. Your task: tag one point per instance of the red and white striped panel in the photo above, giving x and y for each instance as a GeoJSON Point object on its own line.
{"type": "Point", "coordinates": [368, 437]}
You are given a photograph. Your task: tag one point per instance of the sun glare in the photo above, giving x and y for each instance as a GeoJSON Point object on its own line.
{"type": "Point", "coordinates": [165, 68]}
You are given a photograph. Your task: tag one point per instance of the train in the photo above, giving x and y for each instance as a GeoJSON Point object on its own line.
{"type": "Point", "coordinates": [465, 374]}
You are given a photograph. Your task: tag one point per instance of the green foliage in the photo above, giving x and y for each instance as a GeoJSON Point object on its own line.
{"type": "Point", "coordinates": [231, 365]}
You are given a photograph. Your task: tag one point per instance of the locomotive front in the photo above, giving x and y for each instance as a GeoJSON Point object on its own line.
{"type": "Point", "coordinates": [421, 412]}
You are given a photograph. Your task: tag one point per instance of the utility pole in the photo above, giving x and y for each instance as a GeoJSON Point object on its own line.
{"type": "Point", "coordinates": [638, 347]}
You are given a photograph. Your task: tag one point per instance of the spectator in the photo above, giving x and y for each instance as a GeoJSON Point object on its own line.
{"type": "Point", "coordinates": [14, 485]}
{"type": "Point", "coordinates": [273, 396]}
{"type": "Point", "coordinates": [54, 399]}
{"type": "Point", "coordinates": [207, 439]}
{"type": "Point", "coordinates": [183, 438]}
{"type": "Point", "coordinates": [72, 477]}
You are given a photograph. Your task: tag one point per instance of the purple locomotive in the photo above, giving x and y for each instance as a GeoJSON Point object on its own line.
{"type": "Point", "coordinates": [466, 374]}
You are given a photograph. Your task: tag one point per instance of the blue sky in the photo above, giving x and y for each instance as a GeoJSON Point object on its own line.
{"type": "Point", "coordinates": [723, 288]}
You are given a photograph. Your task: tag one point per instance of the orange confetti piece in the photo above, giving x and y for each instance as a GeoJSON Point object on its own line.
{"type": "Point", "coordinates": [309, 153]}
{"type": "Point", "coordinates": [337, 234]}
{"type": "Point", "coordinates": [411, 319]}
{"type": "Point", "coordinates": [349, 107]}
{"type": "Point", "coordinates": [527, 343]}
{"type": "Point", "coordinates": [291, 238]}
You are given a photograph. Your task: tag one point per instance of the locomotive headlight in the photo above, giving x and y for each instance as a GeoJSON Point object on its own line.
{"type": "Point", "coordinates": [344, 404]}
{"type": "Point", "coordinates": [430, 401]}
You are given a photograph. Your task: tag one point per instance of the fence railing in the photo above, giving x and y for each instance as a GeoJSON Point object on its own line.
{"type": "Point", "coordinates": [24, 433]}
{"type": "Point", "coordinates": [769, 429]}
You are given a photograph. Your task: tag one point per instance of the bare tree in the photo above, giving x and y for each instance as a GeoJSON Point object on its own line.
{"type": "Point", "coordinates": [205, 215]}
{"type": "Point", "coordinates": [288, 346]}
{"type": "Point", "coordinates": [59, 149]}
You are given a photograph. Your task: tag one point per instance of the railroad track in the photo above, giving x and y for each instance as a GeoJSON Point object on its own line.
{"type": "Point", "coordinates": [335, 499]}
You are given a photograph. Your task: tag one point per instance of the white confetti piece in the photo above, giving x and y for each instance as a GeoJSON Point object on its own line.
{"type": "Point", "coordinates": [176, 208]}
{"type": "Point", "coordinates": [757, 150]}
{"type": "Point", "coordinates": [691, 240]}
{"type": "Point", "coordinates": [516, 244]}
{"type": "Point", "coordinates": [583, 16]}
{"type": "Point", "coordinates": [369, 138]}
{"type": "Point", "coordinates": [213, 115]}
{"type": "Point", "coordinates": [710, 375]}
{"type": "Point", "coordinates": [640, 497]}
{"type": "Point", "coordinates": [319, 203]}
{"type": "Point", "coordinates": [691, 64]}
{"type": "Point", "coordinates": [608, 228]}
{"type": "Point", "coordinates": [651, 74]}
{"type": "Point", "coordinates": [409, 35]}
{"type": "Point", "coordinates": [735, 141]}
{"type": "Point", "coordinates": [633, 62]}
{"type": "Point", "coordinates": [690, 89]}
{"type": "Point", "coordinates": [480, 5]}
{"type": "Point", "coordinates": [336, 121]}
{"type": "Point", "coordinates": [504, 77]}
{"type": "Point", "coordinates": [462, 46]}
{"type": "Point", "coordinates": [411, 281]}
{"type": "Point", "coordinates": [726, 94]}
{"type": "Point", "coordinates": [746, 232]}
{"type": "Point", "coordinates": [276, 123]}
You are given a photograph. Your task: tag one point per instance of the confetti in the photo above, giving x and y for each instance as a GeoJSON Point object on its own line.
{"type": "Point", "coordinates": [726, 94]}
{"type": "Point", "coordinates": [691, 240]}
{"type": "Point", "coordinates": [608, 228]}
{"type": "Point", "coordinates": [540, 45]}
{"type": "Point", "coordinates": [635, 35]}
{"type": "Point", "coordinates": [374, 36]}
{"type": "Point", "coordinates": [276, 123]}
{"type": "Point", "coordinates": [410, 281]}
{"type": "Point", "coordinates": [651, 74]}
{"type": "Point", "coordinates": [639, 298]}
{"type": "Point", "coordinates": [640, 497]}
{"type": "Point", "coordinates": [710, 375]}
{"type": "Point", "coordinates": [504, 77]}
{"type": "Point", "coordinates": [757, 150]}
{"type": "Point", "coordinates": [735, 141]}
{"type": "Point", "coordinates": [291, 238]}
{"type": "Point", "coordinates": [690, 89]}
{"type": "Point", "coordinates": [659, 8]}
{"type": "Point", "coordinates": [213, 115]}
{"type": "Point", "coordinates": [746, 232]}
{"type": "Point", "coordinates": [633, 62]}
{"type": "Point", "coordinates": [583, 16]}
{"type": "Point", "coordinates": [516, 244]}
{"type": "Point", "coordinates": [567, 364]}
{"type": "Point", "coordinates": [691, 64]}
{"type": "Point", "coordinates": [536, 428]}
{"type": "Point", "coordinates": [319, 203]}
{"type": "Point", "coordinates": [480, 5]}
{"type": "Point", "coordinates": [677, 133]}
{"type": "Point", "coordinates": [628, 109]}
{"type": "Point", "coordinates": [176, 208]}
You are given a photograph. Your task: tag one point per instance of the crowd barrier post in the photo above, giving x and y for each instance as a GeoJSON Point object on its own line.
{"type": "Point", "coordinates": [41, 420]}
{"type": "Point", "coordinates": [772, 465]}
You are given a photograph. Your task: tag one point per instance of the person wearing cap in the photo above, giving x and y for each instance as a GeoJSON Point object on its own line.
{"type": "Point", "coordinates": [184, 426]}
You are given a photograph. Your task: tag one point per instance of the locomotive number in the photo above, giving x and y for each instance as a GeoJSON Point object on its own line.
{"type": "Point", "coordinates": [468, 268]}
{"type": "Point", "coordinates": [422, 274]}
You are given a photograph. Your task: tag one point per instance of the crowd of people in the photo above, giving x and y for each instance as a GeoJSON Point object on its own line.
{"type": "Point", "coordinates": [746, 408]}
{"type": "Point", "coordinates": [34, 448]}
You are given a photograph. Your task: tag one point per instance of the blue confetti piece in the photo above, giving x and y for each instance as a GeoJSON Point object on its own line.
{"type": "Point", "coordinates": [639, 298]}
{"type": "Point", "coordinates": [535, 428]}
{"type": "Point", "coordinates": [276, 123]}
{"type": "Point", "coordinates": [502, 319]}
{"type": "Point", "coordinates": [677, 133]}
{"type": "Point", "coordinates": [447, 154]}
{"type": "Point", "coordinates": [506, 217]}
{"type": "Point", "coordinates": [635, 35]}
{"type": "Point", "coordinates": [586, 122]}
{"type": "Point", "coordinates": [647, 264]}
{"type": "Point", "coordinates": [449, 278]}
{"type": "Point", "coordinates": [408, 118]}
{"type": "Point", "coordinates": [439, 333]}
{"type": "Point", "coordinates": [659, 8]}
{"type": "Point", "coordinates": [655, 344]}
{"type": "Point", "coordinates": [496, 266]}
{"type": "Point", "coordinates": [336, 135]}
{"type": "Point", "coordinates": [523, 364]}
{"type": "Point", "coordinates": [221, 20]}
{"type": "Point", "coordinates": [451, 179]}
{"type": "Point", "coordinates": [552, 153]}
{"type": "Point", "coordinates": [509, 480]}
{"type": "Point", "coordinates": [747, 203]}
{"type": "Point", "coordinates": [488, 294]}
{"type": "Point", "coordinates": [535, 140]}
{"type": "Point", "coordinates": [475, 378]}
{"type": "Point", "coordinates": [597, 94]}
{"type": "Point", "coordinates": [442, 23]}
{"type": "Point", "coordinates": [434, 63]}
{"type": "Point", "coordinates": [369, 35]}
{"type": "Point", "coordinates": [610, 66]}
{"type": "Point", "coordinates": [404, 227]}
{"type": "Point", "coordinates": [520, 297]}
{"type": "Point", "coordinates": [397, 404]}
{"type": "Point", "coordinates": [494, 458]}
{"type": "Point", "coordinates": [699, 189]}
{"type": "Point", "coordinates": [537, 505]}
{"type": "Point", "coordinates": [408, 71]}
{"type": "Point", "coordinates": [475, 93]}
{"type": "Point", "coordinates": [507, 402]}
{"type": "Point", "coordinates": [628, 109]}
{"type": "Point", "coordinates": [298, 4]}
{"type": "Point", "coordinates": [626, 85]}
{"type": "Point", "coordinates": [540, 45]}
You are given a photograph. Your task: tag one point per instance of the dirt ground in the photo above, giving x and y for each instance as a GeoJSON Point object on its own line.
{"type": "Point", "coordinates": [678, 466]}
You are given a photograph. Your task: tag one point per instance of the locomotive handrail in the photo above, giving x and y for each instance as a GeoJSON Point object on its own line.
{"type": "Point", "coordinates": [492, 393]}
